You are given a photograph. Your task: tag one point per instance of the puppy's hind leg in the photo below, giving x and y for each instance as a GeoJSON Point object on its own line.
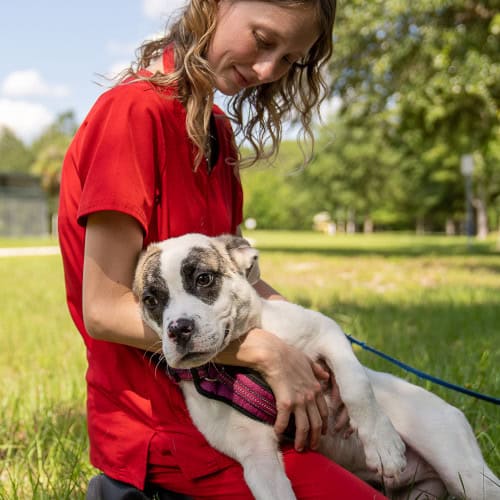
{"type": "Point", "coordinates": [382, 445]}
{"type": "Point", "coordinates": [440, 434]}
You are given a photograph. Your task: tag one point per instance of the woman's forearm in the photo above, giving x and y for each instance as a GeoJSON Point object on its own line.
{"type": "Point", "coordinates": [110, 310]}
{"type": "Point", "coordinates": [118, 320]}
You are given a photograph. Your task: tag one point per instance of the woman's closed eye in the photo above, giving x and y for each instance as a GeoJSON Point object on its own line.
{"type": "Point", "coordinates": [264, 43]}
{"type": "Point", "coordinates": [261, 41]}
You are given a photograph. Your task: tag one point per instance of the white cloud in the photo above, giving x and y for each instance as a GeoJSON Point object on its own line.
{"type": "Point", "coordinates": [29, 83]}
{"type": "Point", "coordinates": [157, 9]}
{"type": "Point", "coordinates": [129, 49]}
{"type": "Point", "coordinates": [116, 68]}
{"type": "Point", "coordinates": [25, 119]}
{"type": "Point", "coordinates": [121, 49]}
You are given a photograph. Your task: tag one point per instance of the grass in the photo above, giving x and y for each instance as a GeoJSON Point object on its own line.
{"type": "Point", "coordinates": [27, 242]}
{"type": "Point", "coordinates": [433, 302]}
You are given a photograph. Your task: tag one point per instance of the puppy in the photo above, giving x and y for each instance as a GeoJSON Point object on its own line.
{"type": "Point", "coordinates": [195, 292]}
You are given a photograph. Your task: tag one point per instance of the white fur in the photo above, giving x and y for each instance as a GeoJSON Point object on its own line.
{"type": "Point", "coordinates": [384, 410]}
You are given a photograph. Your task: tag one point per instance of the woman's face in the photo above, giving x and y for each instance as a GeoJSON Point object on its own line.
{"type": "Point", "coordinates": [257, 42]}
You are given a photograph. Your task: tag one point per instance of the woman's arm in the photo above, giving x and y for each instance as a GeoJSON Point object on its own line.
{"type": "Point", "coordinates": [113, 243]}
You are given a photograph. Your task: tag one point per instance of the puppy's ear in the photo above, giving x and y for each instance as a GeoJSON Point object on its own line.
{"type": "Point", "coordinates": [243, 255]}
{"type": "Point", "coordinates": [143, 267]}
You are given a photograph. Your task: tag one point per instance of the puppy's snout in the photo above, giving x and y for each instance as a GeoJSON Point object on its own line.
{"type": "Point", "coordinates": [180, 330]}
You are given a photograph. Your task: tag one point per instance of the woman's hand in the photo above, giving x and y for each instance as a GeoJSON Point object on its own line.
{"type": "Point", "coordinates": [295, 382]}
{"type": "Point", "coordinates": [294, 379]}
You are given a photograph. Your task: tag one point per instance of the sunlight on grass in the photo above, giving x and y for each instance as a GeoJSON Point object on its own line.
{"type": "Point", "coordinates": [43, 444]}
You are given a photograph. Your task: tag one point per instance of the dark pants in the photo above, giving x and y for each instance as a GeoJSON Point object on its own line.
{"type": "Point", "coordinates": [102, 487]}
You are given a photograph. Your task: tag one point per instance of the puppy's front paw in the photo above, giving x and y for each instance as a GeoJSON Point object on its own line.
{"type": "Point", "coordinates": [384, 449]}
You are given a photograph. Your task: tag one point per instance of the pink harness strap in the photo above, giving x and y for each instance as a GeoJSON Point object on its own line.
{"type": "Point", "coordinates": [242, 389]}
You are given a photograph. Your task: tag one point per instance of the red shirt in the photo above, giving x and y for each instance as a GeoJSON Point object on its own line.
{"type": "Point", "coordinates": [132, 155]}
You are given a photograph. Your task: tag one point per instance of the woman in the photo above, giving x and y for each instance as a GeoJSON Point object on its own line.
{"type": "Point", "coordinates": [155, 159]}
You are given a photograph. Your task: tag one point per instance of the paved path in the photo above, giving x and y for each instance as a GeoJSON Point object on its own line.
{"type": "Point", "coordinates": [28, 251]}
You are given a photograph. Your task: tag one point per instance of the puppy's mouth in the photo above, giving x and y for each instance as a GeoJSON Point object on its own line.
{"type": "Point", "coordinates": [193, 359]}
{"type": "Point", "coordinates": [194, 355]}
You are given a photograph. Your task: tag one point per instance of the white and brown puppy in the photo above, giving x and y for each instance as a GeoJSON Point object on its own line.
{"type": "Point", "coordinates": [195, 292]}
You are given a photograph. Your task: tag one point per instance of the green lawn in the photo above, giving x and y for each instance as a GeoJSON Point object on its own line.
{"type": "Point", "coordinates": [27, 242]}
{"type": "Point", "coordinates": [433, 302]}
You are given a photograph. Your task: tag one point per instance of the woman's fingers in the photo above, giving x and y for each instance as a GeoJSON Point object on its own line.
{"type": "Point", "coordinates": [301, 428]}
{"type": "Point", "coordinates": [316, 420]}
{"type": "Point", "coordinates": [284, 410]}
{"type": "Point", "coordinates": [320, 372]}
{"type": "Point", "coordinates": [311, 418]}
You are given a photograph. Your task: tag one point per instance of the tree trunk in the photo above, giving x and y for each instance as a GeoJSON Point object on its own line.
{"type": "Point", "coordinates": [481, 215]}
{"type": "Point", "coordinates": [368, 226]}
{"type": "Point", "coordinates": [420, 227]}
{"type": "Point", "coordinates": [450, 228]}
{"type": "Point", "coordinates": [351, 224]}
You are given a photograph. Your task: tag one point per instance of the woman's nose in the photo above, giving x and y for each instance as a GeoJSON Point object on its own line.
{"type": "Point", "coordinates": [269, 70]}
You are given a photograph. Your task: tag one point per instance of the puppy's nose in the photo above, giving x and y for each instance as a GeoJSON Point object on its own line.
{"type": "Point", "coordinates": [180, 330]}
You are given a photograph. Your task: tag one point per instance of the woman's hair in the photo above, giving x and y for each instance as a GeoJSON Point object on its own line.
{"type": "Point", "coordinates": [257, 112]}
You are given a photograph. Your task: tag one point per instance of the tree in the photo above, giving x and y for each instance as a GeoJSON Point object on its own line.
{"type": "Point", "coordinates": [49, 150]}
{"type": "Point", "coordinates": [274, 196]}
{"type": "Point", "coordinates": [14, 155]}
{"type": "Point", "coordinates": [354, 174]}
{"type": "Point", "coordinates": [430, 71]}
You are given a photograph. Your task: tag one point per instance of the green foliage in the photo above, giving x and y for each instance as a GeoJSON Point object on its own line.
{"type": "Point", "coordinates": [355, 173]}
{"type": "Point", "coordinates": [273, 193]}
{"type": "Point", "coordinates": [14, 155]}
{"type": "Point", "coordinates": [49, 150]}
{"type": "Point", "coordinates": [427, 73]}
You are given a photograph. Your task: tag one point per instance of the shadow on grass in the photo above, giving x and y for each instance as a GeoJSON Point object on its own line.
{"type": "Point", "coordinates": [417, 250]}
{"type": "Point", "coordinates": [474, 325]}
{"type": "Point", "coordinates": [448, 340]}
{"type": "Point", "coordinates": [454, 342]}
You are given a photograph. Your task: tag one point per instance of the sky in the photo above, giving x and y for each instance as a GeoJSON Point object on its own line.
{"type": "Point", "coordinates": [54, 51]}
{"type": "Point", "coordinates": [54, 54]}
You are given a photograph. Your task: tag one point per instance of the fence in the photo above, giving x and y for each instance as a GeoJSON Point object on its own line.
{"type": "Point", "coordinates": [23, 206]}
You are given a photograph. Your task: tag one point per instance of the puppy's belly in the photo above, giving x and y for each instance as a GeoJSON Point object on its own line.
{"type": "Point", "coordinates": [346, 452]}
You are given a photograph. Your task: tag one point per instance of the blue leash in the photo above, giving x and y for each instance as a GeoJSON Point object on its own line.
{"type": "Point", "coordinates": [424, 375]}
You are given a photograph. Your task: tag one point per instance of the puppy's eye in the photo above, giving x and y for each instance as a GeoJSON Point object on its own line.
{"type": "Point", "coordinates": [149, 300]}
{"type": "Point", "coordinates": [204, 279]}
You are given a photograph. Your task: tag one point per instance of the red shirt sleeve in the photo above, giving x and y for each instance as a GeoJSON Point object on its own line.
{"type": "Point", "coordinates": [121, 149]}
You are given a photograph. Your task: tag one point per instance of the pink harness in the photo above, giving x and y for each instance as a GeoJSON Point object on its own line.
{"type": "Point", "coordinates": [242, 389]}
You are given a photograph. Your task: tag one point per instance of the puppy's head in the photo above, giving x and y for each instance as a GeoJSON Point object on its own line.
{"type": "Point", "coordinates": [195, 292]}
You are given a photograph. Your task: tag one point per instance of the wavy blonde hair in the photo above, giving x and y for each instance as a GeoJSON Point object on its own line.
{"type": "Point", "coordinates": [296, 95]}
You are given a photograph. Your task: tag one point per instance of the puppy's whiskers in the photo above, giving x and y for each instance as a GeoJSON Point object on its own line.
{"type": "Point", "coordinates": [156, 354]}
